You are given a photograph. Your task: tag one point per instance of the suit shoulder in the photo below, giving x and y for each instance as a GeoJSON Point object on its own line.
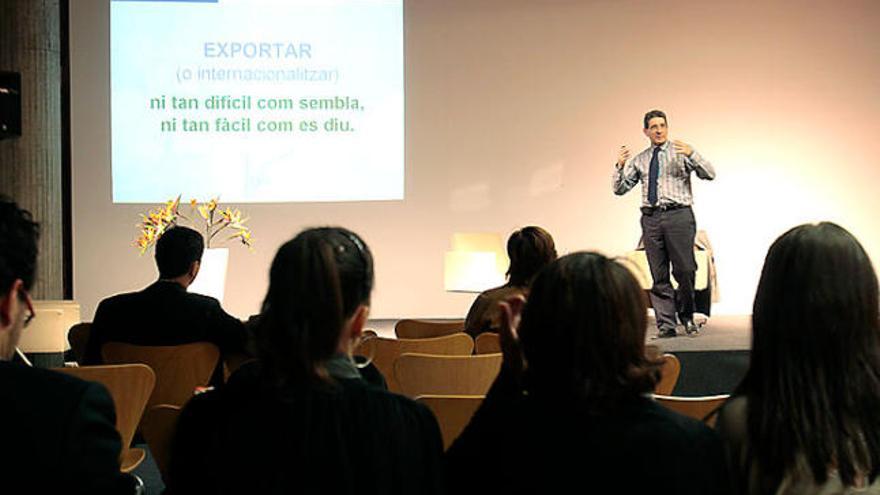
{"type": "Point", "coordinates": [117, 300]}
{"type": "Point", "coordinates": [403, 406]}
{"type": "Point", "coordinates": [202, 299]}
{"type": "Point", "coordinates": [47, 383]}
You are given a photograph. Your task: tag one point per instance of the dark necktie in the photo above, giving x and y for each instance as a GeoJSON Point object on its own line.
{"type": "Point", "coordinates": [653, 172]}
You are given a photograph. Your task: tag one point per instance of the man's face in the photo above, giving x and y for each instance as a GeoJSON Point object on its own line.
{"type": "Point", "coordinates": [15, 308]}
{"type": "Point", "coordinates": [657, 131]}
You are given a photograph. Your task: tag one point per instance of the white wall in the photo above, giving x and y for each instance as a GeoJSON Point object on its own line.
{"type": "Point", "coordinates": [515, 110]}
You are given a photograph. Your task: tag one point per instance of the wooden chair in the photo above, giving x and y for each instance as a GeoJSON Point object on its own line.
{"type": "Point", "coordinates": [179, 369]}
{"type": "Point", "coordinates": [703, 408]}
{"type": "Point", "coordinates": [425, 329]}
{"type": "Point", "coordinates": [670, 371]}
{"type": "Point", "coordinates": [78, 338]}
{"type": "Point", "coordinates": [160, 423]}
{"type": "Point", "coordinates": [425, 374]}
{"type": "Point", "coordinates": [384, 351]}
{"type": "Point", "coordinates": [487, 343]}
{"type": "Point", "coordinates": [453, 413]}
{"type": "Point", "coordinates": [130, 386]}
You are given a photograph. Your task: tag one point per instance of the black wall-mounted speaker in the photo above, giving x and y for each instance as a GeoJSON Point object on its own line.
{"type": "Point", "coordinates": [10, 104]}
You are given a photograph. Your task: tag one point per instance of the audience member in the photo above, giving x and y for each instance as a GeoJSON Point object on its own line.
{"type": "Point", "coordinates": [301, 419]}
{"type": "Point", "coordinates": [58, 431]}
{"type": "Point", "coordinates": [165, 313]}
{"type": "Point", "coordinates": [806, 418]}
{"type": "Point", "coordinates": [571, 405]}
{"type": "Point", "coordinates": [529, 250]}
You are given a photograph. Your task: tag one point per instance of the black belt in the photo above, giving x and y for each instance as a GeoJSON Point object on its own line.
{"type": "Point", "coordinates": [649, 210]}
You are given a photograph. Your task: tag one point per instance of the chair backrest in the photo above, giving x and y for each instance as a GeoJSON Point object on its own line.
{"type": "Point", "coordinates": [425, 329]}
{"type": "Point", "coordinates": [453, 413]}
{"type": "Point", "coordinates": [425, 374]}
{"type": "Point", "coordinates": [159, 425]}
{"type": "Point", "coordinates": [487, 343]}
{"type": "Point", "coordinates": [703, 408]}
{"type": "Point", "coordinates": [384, 351]}
{"type": "Point", "coordinates": [179, 368]}
{"type": "Point", "coordinates": [130, 386]}
{"type": "Point", "coordinates": [670, 371]}
{"type": "Point", "coordinates": [78, 338]}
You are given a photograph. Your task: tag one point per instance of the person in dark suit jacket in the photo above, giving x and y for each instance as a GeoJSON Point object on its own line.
{"type": "Point", "coordinates": [165, 313]}
{"type": "Point", "coordinates": [58, 431]}
{"type": "Point", "coordinates": [302, 419]}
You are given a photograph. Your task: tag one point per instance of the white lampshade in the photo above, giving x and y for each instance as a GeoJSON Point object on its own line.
{"type": "Point", "coordinates": [476, 263]}
{"type": "Point", "coordinates": [211, 279]}
{"type": "Point", "coordinates": [471, 271]}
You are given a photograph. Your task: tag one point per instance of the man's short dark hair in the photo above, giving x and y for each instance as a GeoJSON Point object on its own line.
{"type": "Point", "coordinates": [654, 113]}
{"type": "Point", "coordinates": [176, 251]}
{"type": "Point", "coordinates": [18, 245]}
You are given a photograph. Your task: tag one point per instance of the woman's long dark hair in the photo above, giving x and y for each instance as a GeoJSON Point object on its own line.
{"type": "Point", "coordinates": [813, 386]}
{"type": "Point", "coordinates": [317, 280]}
{"type": "Point", "coordinates": [583, 333]}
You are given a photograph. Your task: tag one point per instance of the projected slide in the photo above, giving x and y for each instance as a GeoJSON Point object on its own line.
{"type": "Point", "coordinates": [257, 100]}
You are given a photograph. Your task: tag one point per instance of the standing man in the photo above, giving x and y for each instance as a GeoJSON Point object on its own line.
{"type": "Point", "coordinates": [668, 224]}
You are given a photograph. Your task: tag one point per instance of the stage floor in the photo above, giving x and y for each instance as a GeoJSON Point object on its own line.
{"type": "Point", "coordinates": [719, 333]}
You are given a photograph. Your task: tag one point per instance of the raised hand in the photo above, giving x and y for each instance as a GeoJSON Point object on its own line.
{"type": "Point", "coordinates": [511, 314]}
{"type": "Point", "coordinates": [682, 148]}
{"type": "Point", "coordinates": [622, 156]}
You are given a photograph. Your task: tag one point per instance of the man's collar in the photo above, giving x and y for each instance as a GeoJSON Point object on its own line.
{"type": "Point", "coordinates": [663, 147]}
{"type": "Point", "coordinates": [164, 282]}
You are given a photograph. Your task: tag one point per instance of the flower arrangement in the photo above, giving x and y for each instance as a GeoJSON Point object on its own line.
{"type": "Point", "coordinates": [214, 220]}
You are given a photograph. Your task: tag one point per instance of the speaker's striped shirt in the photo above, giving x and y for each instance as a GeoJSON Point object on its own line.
{"type": "Point", "coordinates": [674, 179]}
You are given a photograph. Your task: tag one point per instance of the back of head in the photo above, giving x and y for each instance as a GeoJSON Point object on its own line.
{"type": "Point", "coordinates": [529, 249]}
{"type": "Point", "coordinates": [18, 245]}
{"type": "Point", "coordinates": [176, 251]}
{"type": "Point", "coordinates": [583, 333]}
{"type": "Point", "coordinates": [317, 281]}
{"type": "Point", "coordinates": [813, 385]}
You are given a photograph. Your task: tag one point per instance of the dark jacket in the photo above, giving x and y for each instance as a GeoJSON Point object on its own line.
{"type": "Point", "coordinates": [163, 314]}
{"type": "Point", "coordinates": [346, 438]}
{"type": "Point", "coordinates": [59, 434]}
{"type": "Point", "coordinates": [518, 443]}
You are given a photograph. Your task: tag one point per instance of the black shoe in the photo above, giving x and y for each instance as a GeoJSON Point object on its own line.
{"type": "Point", "coordinates": [667, 333]}
{"type": "Point", "coordinates": [691, 328]}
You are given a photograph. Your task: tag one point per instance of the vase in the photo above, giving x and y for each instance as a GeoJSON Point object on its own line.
{"type": "Point", "coordinates": [211, 279]}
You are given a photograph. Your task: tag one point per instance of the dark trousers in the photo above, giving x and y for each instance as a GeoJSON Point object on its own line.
{"type": "Point", "coordinates": [669, 238]}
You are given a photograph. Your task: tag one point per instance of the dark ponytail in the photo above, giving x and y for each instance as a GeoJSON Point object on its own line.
{"type": "Point", "coordinates": [317, 281]}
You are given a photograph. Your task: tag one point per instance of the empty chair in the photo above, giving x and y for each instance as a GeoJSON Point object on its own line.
{"type": "Point", "coordinates": [159, 425]}
{"type": "Point", "coordinates": [384, 351]}
{"type": "Point", "coordinates": [130, 386]}
{"type": "Point", "coordinates": [424, 329]}
{"type": "Point", "coordinates": [703, 408]}
{"type": "Point", "coordinates": [424, 374]}
{"type": "Point", "coordinates": [179, 368]}
{"type": "Point", "coordinates": [487, 343]}
{"type": "Point", "coordinates": [453, 413]}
